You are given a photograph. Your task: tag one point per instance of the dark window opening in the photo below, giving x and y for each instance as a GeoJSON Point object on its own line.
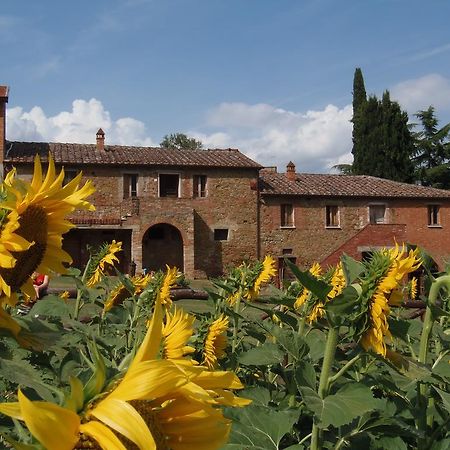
{"type": "Point", "coordinates": [221, 234]}
{"type": "Point", "coordinates": [130, 184]}
{"type": "Point", "coordinates": [377, 214]}
{"type": "Point", "coordinates": [433, 215]}
{"type": "Point", "coordinates": [69, 175]}
{"type": "Point", "coordinates": [169, 185]}
{"type": "Point", "coordinates": [332, 216]}
{"type": "Point", "coordinates": [199, 186]}
{"type": "Point", "coordinates": [287, 215]}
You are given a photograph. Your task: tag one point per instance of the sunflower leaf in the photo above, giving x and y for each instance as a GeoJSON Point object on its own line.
{"type": "Point", "coordinates": [350, 401]}
{"type": "Point", "coordinates": [352, 268]}
{"type": "Point", "coordinates": [318, 287]}
{"type": "Point", "coordinates": [268, 353]}
{"type": "Point", "coordinates": [24, 374]}
{"type": "Point", "coordinates": [50, 306]}
{"type": "Point", "coordinates": [259, 427]}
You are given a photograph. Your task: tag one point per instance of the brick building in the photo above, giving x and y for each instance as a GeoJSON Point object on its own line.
{"type": "Point", "coordinates": [315, 217]}
{"type": "Point", "coordinates": [206, 210]}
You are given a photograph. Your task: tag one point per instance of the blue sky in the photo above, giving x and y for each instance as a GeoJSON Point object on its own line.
{"type": "Point", "coordinates": [271, 77]}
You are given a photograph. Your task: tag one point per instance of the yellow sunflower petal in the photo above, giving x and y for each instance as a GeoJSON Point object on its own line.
{"type": "Point", "coordinates": [150, 346]}
{"type": "Point", "coordinates": [148, 380]}
{"type": "Point", "coordinates": [54, 427]}
{"type": "Point", "coordinates": [11, 410]}
{"type": "Point", "coordinates": [122, 417]}
{"type": "Point", "coordinates": [103, 435]}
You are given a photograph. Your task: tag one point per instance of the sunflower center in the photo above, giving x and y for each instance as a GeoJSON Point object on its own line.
{"type": "Point", "coordinates": [33, 226]}
{"type": "Point", "coordinates": [150, 418]}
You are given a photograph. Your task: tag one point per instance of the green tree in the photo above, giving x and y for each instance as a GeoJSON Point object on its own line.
{"type": "Point", "coordinates": [432, 150]}
{"type": "Point", "coordinates": [180, 141]}
{"type": "Point", "coordinates": [359, 103]}
{"type": "Point", "coordinates": [382, 142]}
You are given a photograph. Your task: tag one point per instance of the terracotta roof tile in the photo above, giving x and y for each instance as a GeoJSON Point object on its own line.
{"type": "Point", "coordinates": [23, 152]}
{"type": "Point", "coordinates": [309, 185]}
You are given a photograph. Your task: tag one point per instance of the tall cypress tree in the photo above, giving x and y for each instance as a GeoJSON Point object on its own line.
{"type": "Point", "coordinates": [359, 103]}
{"type": "Point", "coordinates": [382, 142]}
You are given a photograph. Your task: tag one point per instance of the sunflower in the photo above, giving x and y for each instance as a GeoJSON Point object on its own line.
{"type": "Point", "coordinates": [315, 270]}
{"type": "Point", "coordinates": [158, 404]}
{"type": "Point", "coordinates": [105, 258]}
{"type": "Point", "coordinates": [215, 342]}
{"type": "Point", "coordinates": [169, 281]}
{"type": "Point", "coordinates": [121, 292]}
{"type": "Point", "coordinates": [10, 244]}
{"type": "Point", "coordinates": [268, 271]}
{"type": "Point", "coordinates": [386, 293]}
{"type": "Point", "coordinates": [413, 288]}
{"type": "Point", "coordinates": [40, 209]}
{"type": "Point", "coordinates": [176, 332]}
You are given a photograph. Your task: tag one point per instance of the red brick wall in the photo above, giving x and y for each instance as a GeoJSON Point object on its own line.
{"type": "Point", "coordinates": [231, 203]}
{"type": "Point", "coordinates": [311, 241]}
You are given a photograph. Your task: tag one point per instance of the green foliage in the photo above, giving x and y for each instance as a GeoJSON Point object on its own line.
{"type": "Point", "coordinates": [383, 144]}
{"type": "Point", "coordinates": [304, 396]}
{"type": "Point", "coordinates": [431, 156]}
{"type": "Point", "coordinates": [180, 141]}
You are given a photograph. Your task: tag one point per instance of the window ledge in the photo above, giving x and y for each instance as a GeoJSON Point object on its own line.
{"type": "Point", "coordinates": [333, 227]}
{"type": "Point", "coordinates": [435, 226]}
{"type": "Point", "coordinates": [287, 227]}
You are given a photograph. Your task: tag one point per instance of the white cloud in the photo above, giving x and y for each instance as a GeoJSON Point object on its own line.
{"type": "Point", "coordinates": [417, 94]}
{"type": "Point", "coordinates": [314, 141]}
{"type": "Point", "coordinates": [78, 125]}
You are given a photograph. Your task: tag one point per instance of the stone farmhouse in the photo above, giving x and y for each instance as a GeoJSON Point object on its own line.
{"type": "Point", "coordinates": [204, 211]}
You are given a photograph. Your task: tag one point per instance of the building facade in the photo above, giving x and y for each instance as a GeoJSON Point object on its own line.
{"type": "Point", "coordinates": [204, 211]}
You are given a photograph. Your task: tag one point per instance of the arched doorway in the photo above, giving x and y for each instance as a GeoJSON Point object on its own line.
{"type": "Point", "coordinates": [162, 244]}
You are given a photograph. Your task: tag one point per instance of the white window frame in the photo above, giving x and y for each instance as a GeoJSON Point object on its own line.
{"type": "Point", "coordinates": [196, 187]}
{"type": "Point", "coordinates": [338, 217]}
{"type": "Point", "coordinates": [129, 193]}
{"type": "Point", "coordinates": [431, 222]}
{"type": "Point", "coordinates": [375, 205]}
{"type": "Point", "coordinates": [291, 223]}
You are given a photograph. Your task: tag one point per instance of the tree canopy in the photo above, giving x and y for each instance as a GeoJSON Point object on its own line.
{"type": "Point", "coordinates": [180, 141]}
{"type": "Point", "coordinates": [432, 150]}
{"type": "Point", "coordinates": [382, 142]}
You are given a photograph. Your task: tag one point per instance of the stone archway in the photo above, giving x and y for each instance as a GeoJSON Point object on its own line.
{"type": "Point", "coordinates": [162, 244]}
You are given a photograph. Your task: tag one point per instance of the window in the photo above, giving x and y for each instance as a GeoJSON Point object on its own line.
{"type": "Point", "coordinates": [69, 175]}
{"type": "Point", "coordinates": [169, 185]}
{"type": "Point", "coordinates": [377, 214]}
{"type": "Point", "coordinates": [221, 234]}
{"type": "Point", "coordinates": [332, 216]}
{"type": "Point", "coordinates": [130, 184]}
{"type": "Point", "coordinates": [199, 186]}
{"type": "Point", "coordinates": [434, 216]}
{"type": "Point", "coordinates": [287, 215]}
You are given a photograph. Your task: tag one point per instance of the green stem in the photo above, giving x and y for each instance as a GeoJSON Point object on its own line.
{"type": "Point", "coordinates": [424, 418]}
{"type": "Point", "coordinates": [301, 326]}
{"type": "Point", "coordinates": [345, 367]}
{"type": "Point", "coordinates": [78, 305]}
{"type": "Point", "coordinates": [236, 323]}
{"type": "Point", "coordinates": [324, 382]}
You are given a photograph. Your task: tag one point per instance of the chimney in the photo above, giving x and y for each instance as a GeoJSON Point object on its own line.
{"type": "Point", "coordinates": [3, 101]}
{"type": "Point", "coordinates": [290, 171]}
{"type": "Point", "coordinates": [100, 139]}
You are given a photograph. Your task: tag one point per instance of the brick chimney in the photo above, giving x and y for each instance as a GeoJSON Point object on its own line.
{"type": "Point", "coordinates": [100, 139]}
{"type": "Point", "coordinates": [290, 171]}
{"type": "Point", "coordinates": [3, 101]}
